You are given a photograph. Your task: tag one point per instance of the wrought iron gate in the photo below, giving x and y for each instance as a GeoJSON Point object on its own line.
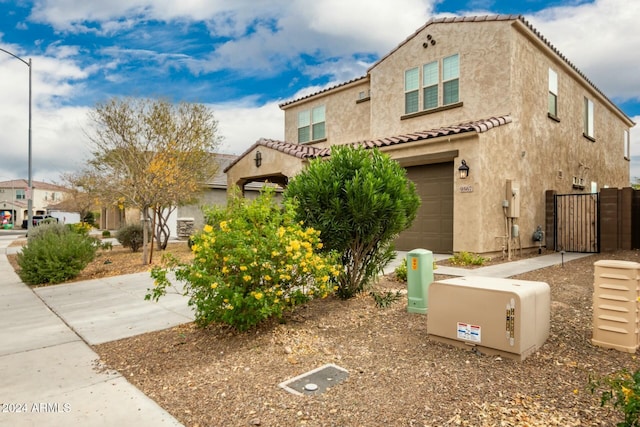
{"type": "Point", "coordinates": [577, 222]}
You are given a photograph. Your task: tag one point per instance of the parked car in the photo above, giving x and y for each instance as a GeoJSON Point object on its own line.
{"type": "Point", "coordinates": [37, 219]}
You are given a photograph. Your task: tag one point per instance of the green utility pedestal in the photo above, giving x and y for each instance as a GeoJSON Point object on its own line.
{"type": "Point", "coordinates": [419, 277]}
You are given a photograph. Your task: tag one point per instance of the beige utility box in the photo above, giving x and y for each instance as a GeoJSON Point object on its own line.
{"type": "Point", "coordinates": [615, 305]}
{"type": "Point", "coordinates": [497, 316]}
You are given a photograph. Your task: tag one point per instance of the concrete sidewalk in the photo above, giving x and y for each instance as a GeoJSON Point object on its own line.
{"type": "Point", "coordinates": [49, 374]}
{"type": "Point", "coordinates": [503, 270]}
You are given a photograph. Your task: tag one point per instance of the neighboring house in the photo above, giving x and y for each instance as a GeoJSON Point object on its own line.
{"type": "Point", "coordinates": [14, 198]}
{"type": "Point", "coordinates": [214, 194]}
{"type": "Point", "coordinates": [488, 93]}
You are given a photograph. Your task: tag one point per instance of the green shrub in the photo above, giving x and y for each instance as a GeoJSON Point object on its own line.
{"type": "Point", "coordinates": [385, 299]}
{"type": "Point", "coordinates": [54, 254]}
{"type": "Point", "coordinates": [360, 200]}
{"type": "Point", "coordinates": [131, 236]}
{"type": "Point", "coordinates": [106, 233]}
{"type": "Point", "coordinates": [467, 258]}
{"type": "Point", "coordinates": [622, 390]}
{"type": "Point", "coordinates": [47, 228]}
{"type": "Point", "coordinates": [401, 271]}
{"type": "Point", "coordinates": [81, 228]}
{"type": "Point", "coordinates": [90, 218]}
{"type": "Point", "coordinates": [252, 261]}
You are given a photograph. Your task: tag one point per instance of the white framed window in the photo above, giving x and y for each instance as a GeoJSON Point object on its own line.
{"type": "Point", "coordinates": [627, 145]}
{"type": "Point", "coordinates": [411, 93]}
{"type": "Point", "coordinates": [450, 79]}
{"type": "Point", "coordinates": [553, 93]}
{"type": "Point", "coordinates": [588, 117]}
{"type": "Point", "coordinates": [430, 81]}
{"type": "Point", "coordinates": [20, 194]}
{"type": "Point", "coordinates": [433, 85]}
{"type": "Point", "coordinates": [311, 124]}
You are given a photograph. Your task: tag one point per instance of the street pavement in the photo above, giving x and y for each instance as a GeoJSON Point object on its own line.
{"type": "Point", "coordinates": [50, 375]}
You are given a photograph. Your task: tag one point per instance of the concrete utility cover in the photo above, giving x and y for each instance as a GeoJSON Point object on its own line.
{"type": "Point", "coordinates": [316, 381]}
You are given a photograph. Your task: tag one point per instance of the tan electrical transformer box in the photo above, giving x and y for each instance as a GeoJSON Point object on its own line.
{"type": "Point", "coordinates": [496, 316]}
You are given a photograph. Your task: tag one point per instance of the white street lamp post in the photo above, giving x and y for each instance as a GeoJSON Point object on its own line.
{"type": "Point", "coordinates": [29, 184]}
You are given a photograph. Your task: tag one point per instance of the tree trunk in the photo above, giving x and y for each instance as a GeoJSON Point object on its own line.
{"type": "Point", "coordinates": [162, 230]}
{"type": "Point", "coordinates": [145, 235]}
{"type": "Point", "coordinates": [153, 225]}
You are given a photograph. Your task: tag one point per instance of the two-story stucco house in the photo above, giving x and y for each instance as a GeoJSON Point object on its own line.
{"type": "Point", "coordinates": [490, 94]}
{"type": "Point", "coordinates": [14, 197]}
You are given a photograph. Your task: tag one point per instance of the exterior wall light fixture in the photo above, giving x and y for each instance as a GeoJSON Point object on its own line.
{"type": "Point", "coordinates": [463, 170]}
{"type": "Point", "coordinates": [258, 159]}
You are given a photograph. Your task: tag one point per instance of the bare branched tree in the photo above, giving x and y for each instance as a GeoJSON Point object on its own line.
{"type": "Point", "coordinates": [152, 155]}
{"type": "Point", "coordinates": [78, 197]}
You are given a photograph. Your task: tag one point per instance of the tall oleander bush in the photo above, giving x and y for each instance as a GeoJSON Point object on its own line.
{"type": "Point", "coordinates": [360, 200]}
{"type": "Point", "coordinates": [252, 261]}
{"type": "Point", "coordinates": [54, 254]}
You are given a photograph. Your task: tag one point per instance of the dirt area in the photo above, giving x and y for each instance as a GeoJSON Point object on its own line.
{"type": "Point", "coordinates": [398, 376]}
{"type": "Point", "coordinates": [118, 260]}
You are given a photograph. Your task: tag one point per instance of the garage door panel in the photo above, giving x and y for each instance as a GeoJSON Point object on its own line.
{"type": "Point", "coordinates": [433, 226]}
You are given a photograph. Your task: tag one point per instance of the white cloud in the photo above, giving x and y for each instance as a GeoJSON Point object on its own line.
{"type": "Point", "coordinates": [601, 39]}
{"type": "Point", "coordinates": [243, 123]}
{"type": "Point", "coordinates": [265, 36]}
{"type": "Point", "coordinates": [369, 25]}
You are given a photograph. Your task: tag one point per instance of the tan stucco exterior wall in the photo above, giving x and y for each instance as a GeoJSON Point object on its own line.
{"type": "Point", "coordinates": [346, 120]}
{"type": "Point", "coordinates": [484, 74]}
{"type": "Point", "coordinates": [504, 70]}
{"type": "Point", "coordinates": [274, 164]}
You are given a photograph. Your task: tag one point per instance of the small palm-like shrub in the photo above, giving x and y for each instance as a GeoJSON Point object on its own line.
{"type": "Point", "coordinates": [401, 271]}
{"type": "Point", "coordinates": [131, 236]}
{"type": "Point", "coordinates": [54, 254]}
{"type": "Point", "coordinates": [467, 258]}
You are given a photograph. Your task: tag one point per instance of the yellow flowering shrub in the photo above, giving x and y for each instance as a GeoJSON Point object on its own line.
{"type": "Point", "coordinates": [622, 390]}
{"type": "Point", "coordinates": [252, 262]}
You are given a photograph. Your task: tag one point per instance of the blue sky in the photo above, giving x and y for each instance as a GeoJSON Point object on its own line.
{"type": "Point", "coordinates": [244, 57]}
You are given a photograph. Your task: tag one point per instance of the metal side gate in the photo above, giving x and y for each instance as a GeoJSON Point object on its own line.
{"type": "Point", "coordinates": [577, 222]}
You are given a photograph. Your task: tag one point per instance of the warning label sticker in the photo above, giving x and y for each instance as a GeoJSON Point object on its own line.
{"type": "Point", "coordinates": [469, 332]}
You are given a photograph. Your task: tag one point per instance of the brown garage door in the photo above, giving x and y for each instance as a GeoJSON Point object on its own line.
{"type": "Point", "coordinates": [433, 226]}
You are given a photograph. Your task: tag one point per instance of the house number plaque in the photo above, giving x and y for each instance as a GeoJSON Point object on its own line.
{"type": "Point", "coordinates": [466, 189]}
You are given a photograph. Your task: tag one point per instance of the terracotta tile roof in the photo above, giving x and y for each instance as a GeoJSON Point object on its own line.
{"type": "Point", "coordinates": [39, 185]}
{"type": "Point", "coordinates": [284, 104]}
{"type": "Point", "coordinates": [484, 18]}
{"type": "Point", "coordinates": [447, 20]}
{"type": "Point", "coordinates": [302, 151]}
{"type": "Point", "coordinates": [478, 126]}
{"type": "Point", "coordinates": [569, 63]}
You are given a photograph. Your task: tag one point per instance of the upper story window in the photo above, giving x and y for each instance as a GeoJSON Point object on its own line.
{"type": "Point", "coordinates": [553, 93]}
{"type": "Point", "coordinates": [450, 80]}
{"type": "Point", "coordinates": [311, 124]}
{"type": "Point", "coordinates": [430, 80]}
{"type": "Point", "coordinates": [588, 118]}
{"type": "Point", "coordinates": [440, 85]}
{"type": "Point", "coordinates": [20, 194]}
{"type": "Point", "coordinates": [627, 146]}
{"type": "Point", "coordinates": [411, 95]}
